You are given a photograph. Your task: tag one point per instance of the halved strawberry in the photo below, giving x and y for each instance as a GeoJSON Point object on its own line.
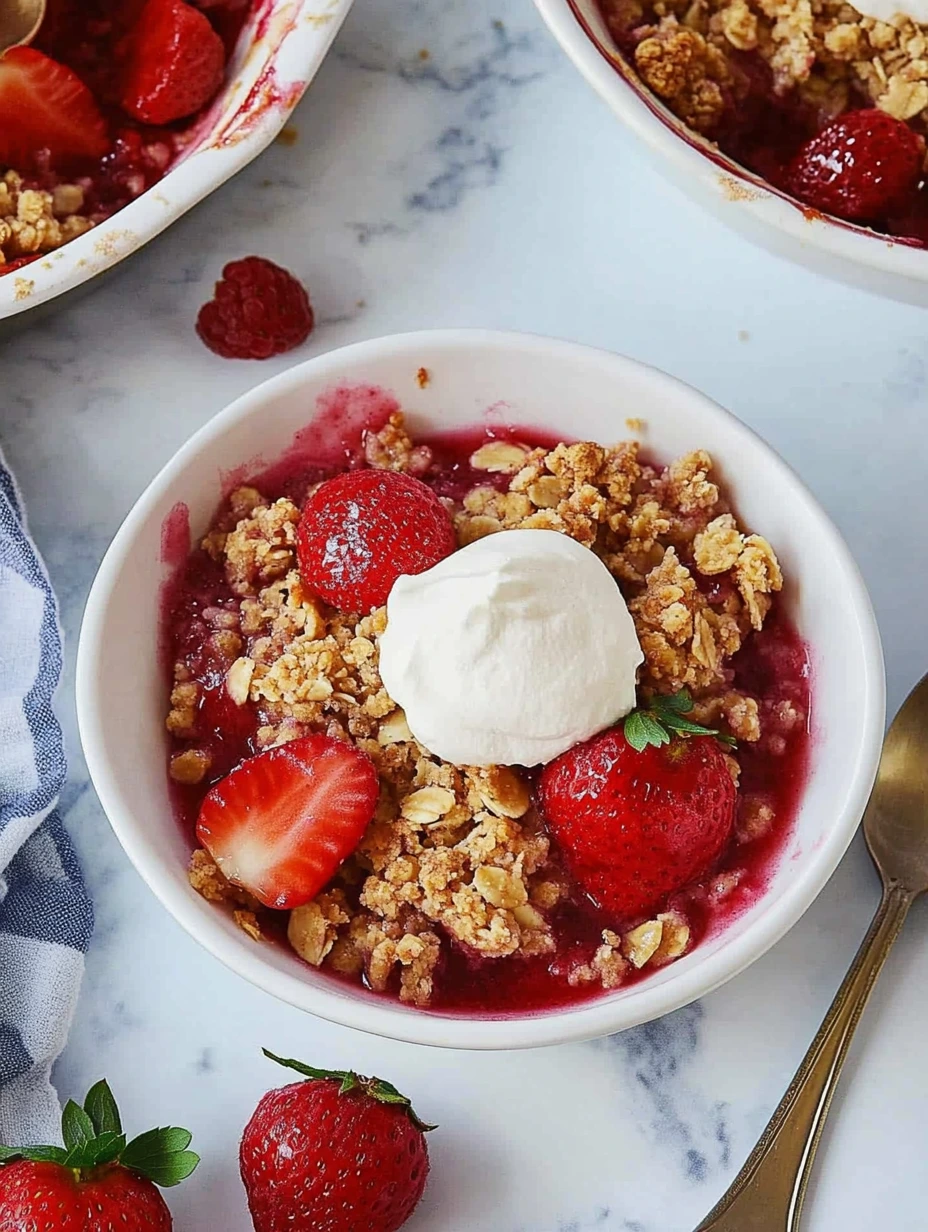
{"type": "Point", "coordinates": [174, 63]}
{"type": "Point", "coordinates": [282, 822]}
{"type": "Point", "coordinates": [44, 105]}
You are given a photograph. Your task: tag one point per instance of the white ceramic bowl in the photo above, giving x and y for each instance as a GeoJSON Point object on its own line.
{"type": "Point", "coordinates": [122, 691]}
{"type": "Point", "coordinates": [735, 195]}
{"type": "Point", "coordinates": [277, 55]}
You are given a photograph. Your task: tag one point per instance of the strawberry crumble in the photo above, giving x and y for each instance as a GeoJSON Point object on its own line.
{"type": "Point", "coordinates": [459, 886]}
{"type": "Point", "coordinates": [97, 108]}
{"type": "Point", "coordinates": [824, 102]}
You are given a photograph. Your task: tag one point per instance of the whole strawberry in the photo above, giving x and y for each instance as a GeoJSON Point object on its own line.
{"type": "Point", "coordinates": [361, 530]}
{"type": "Point", "coordinates": [860, 167]}
{"type": "Point", "coordinates": [96, 1182]}
{"type": "Point", "coordinates": [336, 1153]}
{"type": "Point", "coordinates": [635, 824]}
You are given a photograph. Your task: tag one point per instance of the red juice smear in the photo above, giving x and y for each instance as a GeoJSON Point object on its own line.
{"type": "Point", "coordinates": [192, 602]}
{"type": "Point", "coordinates": [773, 666]}
{"type": "Point", "coordinates": [175, 536]}
{"type": "Point", "coordinates": [332, 442]}
{"type": "Point", "coordinates": [175, 549]}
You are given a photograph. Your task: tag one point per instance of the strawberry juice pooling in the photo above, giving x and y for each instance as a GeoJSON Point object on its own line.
{"type": "Point", "coordinates": [203, 629]}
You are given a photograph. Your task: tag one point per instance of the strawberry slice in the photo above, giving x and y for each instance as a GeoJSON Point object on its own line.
{"type": "Point", "coordinates": [282, 822]}
{"type": "Point", "coordinates": [174, 63]}
{"type": "Point", "coordinates": [44, 105]}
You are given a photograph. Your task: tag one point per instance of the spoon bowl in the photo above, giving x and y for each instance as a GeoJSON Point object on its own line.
{"type": "Point", "coordinates": [896, 820]}
{"type": "Point", "coordinates": [19, 22]}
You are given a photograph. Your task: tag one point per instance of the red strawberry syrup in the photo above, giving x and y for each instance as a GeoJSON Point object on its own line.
{"type": "Point", "coordinates": [773, 666]}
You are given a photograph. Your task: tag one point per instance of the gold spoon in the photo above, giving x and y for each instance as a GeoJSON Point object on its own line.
{"type": "Point", "coordinates": [768, 1192]}
{"type": "Point", "coordinates": [19, 22]}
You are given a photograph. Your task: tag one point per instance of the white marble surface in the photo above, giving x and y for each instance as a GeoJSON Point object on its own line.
{"type": "Point", "coordinates": [486, 185]}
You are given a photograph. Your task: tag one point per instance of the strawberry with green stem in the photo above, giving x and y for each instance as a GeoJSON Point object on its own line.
{"type": "Point", "coordinates": [643, 808]}
{"type": "Point", "coordinates": [98, 1180]}
{"type": "Point", "coordinates": [336, 1151]}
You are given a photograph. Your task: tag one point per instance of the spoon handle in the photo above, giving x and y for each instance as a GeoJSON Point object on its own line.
{"type": "Point", "coordinates": [767, 1194]}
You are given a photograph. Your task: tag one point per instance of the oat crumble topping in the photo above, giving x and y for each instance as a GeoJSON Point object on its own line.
{"type": "Point", "coordinates": [825, 49]}
{"type": "Point", "coordinates": [460, 852]}
{"type": "Point", "coordinates": [33, 221]}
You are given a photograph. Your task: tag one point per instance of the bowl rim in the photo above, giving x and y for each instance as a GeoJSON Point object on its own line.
{"type": "Point", "coordinates": [694, 157]}
{"type": "Point", "coordinates": [238, 125]}
{"type": "Point", "coordinates": [598, 1017]}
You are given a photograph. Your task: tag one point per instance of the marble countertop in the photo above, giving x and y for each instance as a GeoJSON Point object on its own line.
{"type": "Point", "coordinates": [484, 184]}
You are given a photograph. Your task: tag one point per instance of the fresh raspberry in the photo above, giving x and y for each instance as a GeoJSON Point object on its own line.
{"type": "Point", "coordinates": [859, 167]}
{"type": "Point", "coordinates": [635, 827]}
{"type": "Point", "coordinates": [259, 310]}
{"type": "Point", "coordinates": [361, 530]}
{"type": "Point", "coordinates": [338, 1152]}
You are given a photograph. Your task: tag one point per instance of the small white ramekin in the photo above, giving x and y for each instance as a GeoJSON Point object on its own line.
{"type": "Point", "coordinates": [738, 197]}
{"type": "Point", "coordinates": [277, 55]}
{"type": "Point", "coordinates": [122, 689]}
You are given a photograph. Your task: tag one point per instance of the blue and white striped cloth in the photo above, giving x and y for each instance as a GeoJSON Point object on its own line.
{"type": "Point", "coordinates": [45, 913]}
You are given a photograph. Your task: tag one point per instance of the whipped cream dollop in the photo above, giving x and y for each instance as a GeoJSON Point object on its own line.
{"type": "Point", "coordinates": [510, 650]}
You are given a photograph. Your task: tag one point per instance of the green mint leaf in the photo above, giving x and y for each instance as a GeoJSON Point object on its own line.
{"type": "Point", "coordinates": [76, 1126]}
{"type": "Point", "coordinates": [635, 732]}
{"type": "Point", "coordinates": [686, 727]}
{"type": "Point", "coordinates": [100, 1106]}
{"type": "Point", "coordinates": [642, 728]}
{"type": "Point", "coordinates": [682, 726]}
{"type": "Point", "coordinates": [667, 711]}
{"type": "Point", "coordinates": [42, 1154]}
{"type": "Point", "coordinates": [672, 703]}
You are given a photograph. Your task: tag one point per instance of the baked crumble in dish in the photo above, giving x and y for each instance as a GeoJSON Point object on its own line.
{"type": "Point", "coordinates": [321, 822]}
{"type": "Point", "coordinates": [824, 102]}
{"type": "Point", "coordinates": [97, 109]}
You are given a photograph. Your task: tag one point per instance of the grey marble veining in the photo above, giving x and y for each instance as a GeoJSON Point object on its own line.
{"type": "Point", "coordinates": [452, 169]}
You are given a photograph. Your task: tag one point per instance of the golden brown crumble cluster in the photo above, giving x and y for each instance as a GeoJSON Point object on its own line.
{"type": "Point", "coordinates": [459, 852]}
{"type": "Point", "coordinates": [825, 48]}
{"type": "Point", "coordinates": [33, 221]}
